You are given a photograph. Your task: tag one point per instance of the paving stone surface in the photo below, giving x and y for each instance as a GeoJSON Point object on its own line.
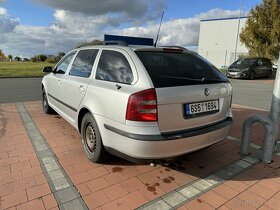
{"type": "Point", "coordinates": [215, 178]}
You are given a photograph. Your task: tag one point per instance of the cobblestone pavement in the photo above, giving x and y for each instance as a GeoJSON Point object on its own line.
{"type": "Point", "coordinates": [43, 166]}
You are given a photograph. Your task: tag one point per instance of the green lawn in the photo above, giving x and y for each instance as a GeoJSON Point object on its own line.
{"type": "Point", "coordinates": [224, 71]}
{"type": "Point", "coordinates": [19, 69]}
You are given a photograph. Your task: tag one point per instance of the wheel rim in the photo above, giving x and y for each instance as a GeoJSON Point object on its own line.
{"type": "Point", "coordinates": [269, 74]}
{"type": "Point", "coordinates": [45, 104]}
{"type": "Point", "coordinates": [90, 137]}
{"type": "Point", "coordinates": [252, 75]}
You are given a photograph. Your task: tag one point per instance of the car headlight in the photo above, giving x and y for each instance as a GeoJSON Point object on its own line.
{"type": "Point", "coordinates": [246, 69]}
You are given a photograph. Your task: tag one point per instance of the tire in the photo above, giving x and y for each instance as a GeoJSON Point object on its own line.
{"type": "Point", "coordinates": [47, 109]}
{"type": "Point", "coordinates": [269, 74]}
{"type": "Point", "coordinates": [92, 141]}
{"type": "Point", "coordinates": [252, 75]}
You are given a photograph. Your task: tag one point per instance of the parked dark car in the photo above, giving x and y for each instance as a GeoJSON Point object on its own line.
{"type": "Point", "coordinates": [250, 68]}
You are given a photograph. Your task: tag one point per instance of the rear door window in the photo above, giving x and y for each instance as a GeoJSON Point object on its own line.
{"type": "Point", "coordinates": [266, 62]}
{"type": "Point", "coordinates": [114, 67]}
{"type": "Point", "coordinates": [168, 69]}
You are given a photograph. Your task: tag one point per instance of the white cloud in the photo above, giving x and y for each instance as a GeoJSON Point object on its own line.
{"type": "Point", "coordinates": [3, 11]}
{"type": "Point", "coordinates": [7, 24]}
{"type": "Point", "coordinates": [124, 10]}
{"type": "Point", "coordinates": [184, 32]}
{"type": "Point", "coordinates": [71, 28]}
{"type": "Point", "coordinates": [77, 23]}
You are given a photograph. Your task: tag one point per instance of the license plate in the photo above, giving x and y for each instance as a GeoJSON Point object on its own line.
{"type": "Point", "coordinates": [205, 107]}
{"type": "Point", "coordinates": [233, 73]}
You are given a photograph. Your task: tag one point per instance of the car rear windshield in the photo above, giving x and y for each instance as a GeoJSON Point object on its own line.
{"type": "Point", "coordinates": [169, 69]}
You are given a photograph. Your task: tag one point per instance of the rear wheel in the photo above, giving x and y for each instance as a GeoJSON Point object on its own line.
{"type": "Point", "coordinates": [92, 141]}
{"type": "Point", "coordinates": [46, 107]}
{"type": "Point", "coordinates": [269, 74]}
{"type": "Point", "coordinates": [252, 75]}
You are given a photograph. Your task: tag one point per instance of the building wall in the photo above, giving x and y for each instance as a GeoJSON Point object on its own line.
{"type": "Point", "coordinates": [217, 39]}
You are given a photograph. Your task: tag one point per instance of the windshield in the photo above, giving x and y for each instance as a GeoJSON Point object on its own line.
{"type": "Point", "coordinates": [168, 69]}
{"type": "Point", "coordinates": [244, 62]}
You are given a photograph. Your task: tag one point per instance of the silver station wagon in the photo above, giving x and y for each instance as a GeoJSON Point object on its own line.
{"type": "Point", "coordinates": [142, 104]}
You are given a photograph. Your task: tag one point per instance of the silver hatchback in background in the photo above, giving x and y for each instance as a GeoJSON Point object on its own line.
{"type": "Point", "coordinates": [142, 104]}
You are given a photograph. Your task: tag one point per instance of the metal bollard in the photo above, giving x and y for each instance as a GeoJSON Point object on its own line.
{"type": "Point", "coordinates": [270, 123]}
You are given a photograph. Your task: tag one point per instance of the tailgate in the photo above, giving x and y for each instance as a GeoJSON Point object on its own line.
{"type": "Point", "coordinates": [188, 107]}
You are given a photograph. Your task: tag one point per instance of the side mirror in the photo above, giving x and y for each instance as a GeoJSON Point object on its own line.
{"type": "Point", "coordinates": [47, 69]}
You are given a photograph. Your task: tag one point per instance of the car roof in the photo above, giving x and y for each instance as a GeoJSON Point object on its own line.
{"type": "Point", "coordinates": [139, 48]}
{"type": "Point", "coordinates": [254, 58]}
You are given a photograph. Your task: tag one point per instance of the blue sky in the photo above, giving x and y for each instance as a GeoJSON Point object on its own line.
{"type": "Point", "coordinates": [42, 22]}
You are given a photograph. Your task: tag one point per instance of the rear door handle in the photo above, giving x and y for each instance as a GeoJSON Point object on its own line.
{"type": "Point", "coordinates": [81, 89]}
{"type": "Point", "coordinates": [59, 82]}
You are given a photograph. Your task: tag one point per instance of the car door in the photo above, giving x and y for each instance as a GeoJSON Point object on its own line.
{"type": "Point", "coordinates": [115, 74]}
{"type": "Point", "coordinates": [259, 68]}
{"type": "Point", "coordinates": [54, 82]}
{"type": "Point", "coordinates": [267, 67]}
{"type": "Point", "coordinates": [74, 84]}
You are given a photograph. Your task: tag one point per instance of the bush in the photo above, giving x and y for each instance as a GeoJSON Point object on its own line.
{"type": "Point", "coordinates": [52, 59]}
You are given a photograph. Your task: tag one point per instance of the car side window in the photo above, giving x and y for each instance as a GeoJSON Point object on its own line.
{"type": "Point", "coordinates": [83, 63]}
{"type": "Point", "coordinates": [266, 62]}
{"type": "Point", "coordinates": [114, 67]}
{"type": "Point", "coordinates": [259, 62]}
{"type": "Point", "coordinates": [62, 66]}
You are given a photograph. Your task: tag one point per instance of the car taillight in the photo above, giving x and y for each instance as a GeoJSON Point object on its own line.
{"type": "Point", "coordinates": [142, 106]}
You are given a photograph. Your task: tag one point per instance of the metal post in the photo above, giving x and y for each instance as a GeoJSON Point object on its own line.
{"type": "Point", "coordinates": [225, 59]}
{"type": "Point", "coordinates": [270, 123]}
{"type": "Point", "coordinates": [274, 114]}
{"type": "Point", "coordinates": [237, 35]}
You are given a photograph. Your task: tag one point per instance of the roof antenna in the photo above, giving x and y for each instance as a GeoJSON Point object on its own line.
{"type": "Point", "coordinates": [155, 44]}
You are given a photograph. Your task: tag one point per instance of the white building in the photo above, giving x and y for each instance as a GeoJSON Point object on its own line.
{"type": "Point", "coordinates": [217, 40]}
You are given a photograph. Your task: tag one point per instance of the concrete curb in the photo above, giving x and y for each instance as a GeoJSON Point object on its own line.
{"type": "Point", "coordinates": [21, 77]}
{"type": "Point", "coordinates": [65, 193]}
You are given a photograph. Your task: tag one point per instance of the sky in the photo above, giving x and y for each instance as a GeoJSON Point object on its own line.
{"type": "Point", "coordinates": [31, 27]}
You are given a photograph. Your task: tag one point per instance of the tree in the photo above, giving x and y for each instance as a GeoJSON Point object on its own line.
{"type": "Point", "coordinates": [261, 34]}
{"type": "Point", "coordinates": [2, 55]}
{"type": "Point", "coordinates": [61, 54]}
{"type": "Point", "coordinates": [10, 57]}
{"type": "Point", "coordinates": [89, 43]}
{"type": "Point", "coordinates": [17, 58]}
{"type": "Point", "coordinates": [34, 59]}
{"type": "Point", "coordinates": [41, 57]}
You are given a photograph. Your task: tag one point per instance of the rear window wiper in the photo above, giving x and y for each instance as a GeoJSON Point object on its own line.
{"type": "Point", "coordinates": [183, 78]}
{"type": "Point", "coordinates": [210, 79]}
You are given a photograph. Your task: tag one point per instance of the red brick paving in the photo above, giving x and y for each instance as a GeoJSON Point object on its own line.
{"type": "Point", "coordinates": [22, 182]}
{"type": "Point", "coordinates": [120, 184]}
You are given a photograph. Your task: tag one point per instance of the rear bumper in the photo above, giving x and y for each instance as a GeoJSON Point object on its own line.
{"type": "Point", "coordinates": [174, 135]}
{"type": "Point", "coordinates": [166, 145]}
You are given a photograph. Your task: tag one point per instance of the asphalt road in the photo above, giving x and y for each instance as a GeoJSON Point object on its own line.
{"type": "Point", "coordinates": [255, 93]}
{"type": "Point", "coordinates": [20, 89]}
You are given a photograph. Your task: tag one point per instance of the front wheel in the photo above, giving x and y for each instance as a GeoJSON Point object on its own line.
{"type": "Point", "coordinates": [92, 141]}
{"type": "Point", "coordinates": [269, 74]}
{"type": "Point", "coordinates": [252, 75]}
{"type": "Point", "coordinates": [46, 107]}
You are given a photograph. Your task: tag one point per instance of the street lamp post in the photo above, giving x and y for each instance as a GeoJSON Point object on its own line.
{"type": "Point", "coordinates": [237, 35]}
